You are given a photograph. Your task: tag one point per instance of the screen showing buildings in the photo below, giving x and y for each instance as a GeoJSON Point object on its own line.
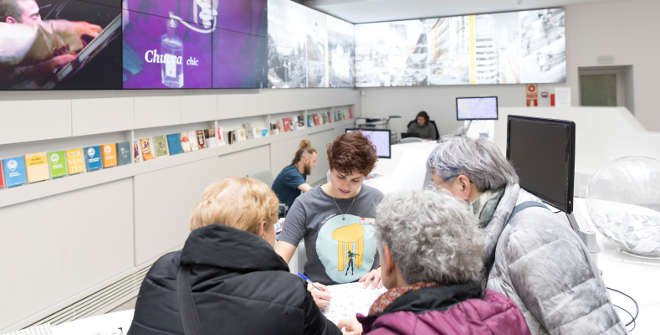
{"type": "Point", "coordinates": [172, 44]}
{"type": "Point", "coordinates": [307, 48]}
{"type": "Point", "coordinates": [500, 48]}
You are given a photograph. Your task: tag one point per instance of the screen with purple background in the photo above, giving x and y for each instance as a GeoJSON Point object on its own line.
{"type": "Point", "coordinates": [240, 44]}
{"type": "Point", "coordinates": [223, 43]}
{"type": "Point", "coordinates": [144, 46]}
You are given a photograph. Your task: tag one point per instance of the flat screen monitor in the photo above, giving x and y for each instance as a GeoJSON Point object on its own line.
{"type": "Point", "coordinates": [380, 138]}
{"type": "Point", "coordinates": [543, 153]}
{"type": "Point", "coordinates": [476, 108]}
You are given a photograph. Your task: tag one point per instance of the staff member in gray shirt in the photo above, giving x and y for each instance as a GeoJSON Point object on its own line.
{"type": "Point", "coordinates": [423, 127]}
{"type": "Point", "coordinates": [336, 221]}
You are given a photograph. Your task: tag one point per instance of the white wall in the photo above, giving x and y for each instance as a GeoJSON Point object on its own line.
{"type": "Point", "coordinates": [624, 30]}
{"type": "Point", "coordinates": [67, 238]}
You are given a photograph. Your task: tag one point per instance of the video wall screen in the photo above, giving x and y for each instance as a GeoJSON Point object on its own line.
{"type": "Point", "coordinates": [500, 48]}
{"type": "Point", "coordinates": [307, 48]}
{"type": "Point", "coordinates": [177, 44]}
{"type": "Point", "coordinates": [194, 44]}
{"type": "Point", "coordinates": [133, 44]}
{"type": "Point", "coordinates": [51, 44]}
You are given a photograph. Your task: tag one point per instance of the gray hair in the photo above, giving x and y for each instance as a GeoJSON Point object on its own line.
{"type": "Point", "coordinates": [480, 160]}
{"type": "Point", "coordinates": [433, 237]}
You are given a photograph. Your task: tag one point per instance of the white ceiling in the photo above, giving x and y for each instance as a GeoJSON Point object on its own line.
{"type": "Point", "coordinates": [359, 11]}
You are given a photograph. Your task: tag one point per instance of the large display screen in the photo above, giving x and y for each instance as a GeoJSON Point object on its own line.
{"type": "Point", "coordinates": [240, 45]}
{"type": "Point", "coordinates": [341, 53]}
{"type": "Point", "coordinates": [161, 52]}
{"type": "Point", "coordinates": [51, 44]}
{"type": "Point", "coordinates": [133, 44]}
{"type": "Point", "coordinates": [500, 48]}
{"type": "Point", "coordinates": [543, 153]}
{"type": "Point", "coordinates": [307, 48]}
{"type": "Point", "coordinates": [194, 44]}
{"type": "Point", "coordinates": [179, 44]}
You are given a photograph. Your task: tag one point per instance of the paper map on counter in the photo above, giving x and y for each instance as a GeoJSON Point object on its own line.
{"type": "Point", "coordinates": [349, 299]}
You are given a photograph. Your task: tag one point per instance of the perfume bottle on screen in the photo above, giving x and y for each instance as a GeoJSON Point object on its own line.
{"type": "Point", "coordinates": [171, 47]}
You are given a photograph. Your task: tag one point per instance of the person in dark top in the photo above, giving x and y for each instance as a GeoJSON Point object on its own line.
{"type": "Point", "coordinates": [228, 279]}
{"type": "Point", "coordinates": [423, 127]}
{"type": "Point", "coordinates": [292, 180]}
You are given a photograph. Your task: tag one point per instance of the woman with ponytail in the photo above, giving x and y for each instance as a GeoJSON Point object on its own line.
{"type": "Point", "coordinates": [292, 180]}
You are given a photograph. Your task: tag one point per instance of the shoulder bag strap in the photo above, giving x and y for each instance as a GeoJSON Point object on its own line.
{"type": "Point", "coordinates": [490, 260]}
{"type": "Point", "coordinates": [187, 310]}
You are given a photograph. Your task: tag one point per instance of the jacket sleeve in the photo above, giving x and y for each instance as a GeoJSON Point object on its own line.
{"type": "Point", "coordinates": [553, 274]}
{"type": "Point", "coordinates": [315, 322]}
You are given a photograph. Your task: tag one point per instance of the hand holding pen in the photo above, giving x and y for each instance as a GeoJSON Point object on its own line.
{"type": "Point", "coordinates": [318, 291]}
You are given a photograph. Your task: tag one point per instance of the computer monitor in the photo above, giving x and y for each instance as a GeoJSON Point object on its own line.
{"type": "Point", "coordinates": [476, 108]}
{"type": "Point", "coordinates": [380, 138]}
{"type": "Point", "coordinates": [543, 153]}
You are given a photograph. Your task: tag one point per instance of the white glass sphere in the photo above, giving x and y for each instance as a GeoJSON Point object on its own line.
{"type": "Point", "coordinates": [623, 200]}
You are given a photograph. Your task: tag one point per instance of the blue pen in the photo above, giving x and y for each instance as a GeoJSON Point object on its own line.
{"type": "Point", "coordinates": [302, 275]}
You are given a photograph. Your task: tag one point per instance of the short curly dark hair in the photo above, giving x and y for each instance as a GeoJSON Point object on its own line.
{"type": "Point", "coordinates": [352, 152]}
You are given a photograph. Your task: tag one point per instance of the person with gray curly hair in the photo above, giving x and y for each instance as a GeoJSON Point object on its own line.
{"type": "Point", "coordinates": [530, 255]}
{"type": "Point", "coordinates": [431, 257]}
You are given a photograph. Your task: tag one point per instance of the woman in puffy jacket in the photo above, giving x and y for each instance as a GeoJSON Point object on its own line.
{"type": "Point", "coordinates": [534, 256]}
{"type": "Point", "coordinates": [431, 258]}
{"type": "Point", "coordinates": [228, 279]}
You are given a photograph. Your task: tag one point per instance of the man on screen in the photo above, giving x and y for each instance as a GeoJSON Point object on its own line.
{"type": "Point", "coordinates": [31, 48]}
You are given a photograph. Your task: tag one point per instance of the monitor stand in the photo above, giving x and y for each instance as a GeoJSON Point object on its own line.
{"type": "Point", "coordinates": [463, 130]}
{"type": "Point", "coordinates": [481, 129]}
{"type": "Point", "coordinates": [586, 233]}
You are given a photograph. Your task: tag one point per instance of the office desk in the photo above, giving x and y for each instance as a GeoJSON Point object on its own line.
{"type": "Point", "coordinates": [405, 171]}
{"type": "Point", "coordinates": [632, 275]}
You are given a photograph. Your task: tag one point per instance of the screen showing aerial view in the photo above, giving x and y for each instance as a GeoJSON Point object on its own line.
{"type": "Point", "coordinates": [307, 48]}
{"type": "Point", "coordinates": [501, 48]}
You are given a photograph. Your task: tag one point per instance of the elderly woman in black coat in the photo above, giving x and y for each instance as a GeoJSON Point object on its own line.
{"type": "Point", "coordinates": [228, 279]}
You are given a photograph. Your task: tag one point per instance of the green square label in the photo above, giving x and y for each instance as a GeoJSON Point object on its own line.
{"type": "Point", "coordinates": [57, 164]}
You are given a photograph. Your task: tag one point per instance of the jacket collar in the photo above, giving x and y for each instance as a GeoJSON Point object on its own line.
{"type": "Point", "coordinates": [229, 248]}
{"type": "Point", "coordinates": [434, 298]}
{"type": "Point", "coordinates": [387, 298]}
{"type": "Point", "coordinates": [425, 299]}
{"type": "Point", "coordinates": [500, 217]}
{"type": "Point", "coordinates": [485, 205]}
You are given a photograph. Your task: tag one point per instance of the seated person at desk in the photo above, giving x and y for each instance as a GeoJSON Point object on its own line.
{"type": "Point", "coordinates": [531, 255]}
{"type": "Point", "coordinates": [336, 220]}
{"type": "Point", "coordinates": [423, 127]}
{"type": "Point", "coordinates": [31, 48]}
{"type": "Point", "coordinates": [227, 279]}
{"type": "Point", "coordinates": [431, 263]}
{"type": "Point", "coordinates": [293, 179]}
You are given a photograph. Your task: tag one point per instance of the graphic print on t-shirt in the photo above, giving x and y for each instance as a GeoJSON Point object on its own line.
{"type": "Point", "coordinates": [346, 246]}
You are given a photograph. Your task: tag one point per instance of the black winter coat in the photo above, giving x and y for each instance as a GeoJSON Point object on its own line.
{"type": "Point", "coordinates": [239, 286]}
